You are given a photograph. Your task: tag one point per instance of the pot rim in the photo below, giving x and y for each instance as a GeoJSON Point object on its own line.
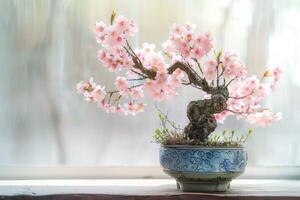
{"type": "Point", "coordinates": [199, 147]}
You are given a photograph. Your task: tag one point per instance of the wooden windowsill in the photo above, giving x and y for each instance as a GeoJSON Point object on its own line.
{"type": "Point", "coordinates": [142, 189]}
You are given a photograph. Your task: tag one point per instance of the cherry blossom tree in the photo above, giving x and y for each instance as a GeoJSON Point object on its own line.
{"type": "Point", "coordinates": [188, 59]}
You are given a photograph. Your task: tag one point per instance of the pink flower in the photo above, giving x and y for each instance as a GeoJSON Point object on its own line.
{"type": "Point", "coordinates": [252, 82]}
{"type": "Point", "coordinates": [183, 41]}
{"type": "Point", "coordinates": [261, 91]}
{"type": "Point", "coordinates": [156, 90]}
{"type": "Point", "coordinates": [122, 85]}
{"type": "Point", "coordinates": [198, 52]}
{"type": "Point", "coordinates": [155, 61]}
{"type": "Point", "coordinates": [249, 85]}
{"type": "Point", "coordinates": [86, 88]}
{"type": "Point", "coordinates": [117, 60]}
{"type": "Point", "coordinates": [277, 72]}
{"type": "Point", "coordinates": [100, 27]}
{"type": "Point", "coordinates": [132, 108]}
{"type": "Point", "coordinates": [129, 108]}
{"type": "Point", "coordinates": [227, 59]}
{"type": "Point", "coordinates": [115, 35]}
{"type": "Point", "coordinates": [176, 77]}
{"type": "Point", "coordinates": [169, 48]}
{"type": "Point", "coordinates": [139, 107]}
{"type": "Point", "coordinates": [177, 29]}
{"type": "Point", "coordinates": [220, 117]}
{"type": "Point", "coordinates": [124, 25]}
{"type": "Point", "coordinates": [263, 118]}
{"type": "Point", "coordinates": [210, 71]}
{"type": "Point", "coordinates": [204, 41]}
{"type": "Point", "coordinates": [137, 92]}
{"type": "Point", "coordinates": [107, 107]}
{"type": "Point", "coordinates": [100, 32]}
{"type": "Point", "coordinates": [114, 39]}
{"type": "Point", "coordinates": [101, 55]}
{"type": "Point", "coordinates": [148, 47]}
{"type": "Point", "coordinates": [234, 68]}
{"type": "Point", "coordinates": [161, 77]}
{"type": "Point", "coordinates": [98, 93]}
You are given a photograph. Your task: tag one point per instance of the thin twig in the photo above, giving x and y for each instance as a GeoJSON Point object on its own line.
{"type": "Point", "coordinates": [191, 68]}
{"type": "Point", "coordinates": [199, 66]}
{"type": "Point", "coordinates": [137, 79]}
{"type": "Point", "coordinates": [217, 67]}
{"type": "Point", "coordinates": [139, 73]}
{"type": "Point", "coordinates": [134, 53]}
{"type": "Point", "coordinates": [115, 91]}
{"type": "Point", "coordinates": [229, 82]}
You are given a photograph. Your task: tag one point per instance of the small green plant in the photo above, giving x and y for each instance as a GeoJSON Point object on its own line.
{"type": "Point", "coordinates": [229, 138]}
{"type": "Point", "coordinates": [170, 133]}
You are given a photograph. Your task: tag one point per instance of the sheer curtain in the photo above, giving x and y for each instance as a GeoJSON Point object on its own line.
{"type": "Point", "coordinates": [46, 47]}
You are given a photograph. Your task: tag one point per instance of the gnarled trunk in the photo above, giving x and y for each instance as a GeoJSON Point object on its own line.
{"type": "Point", "coordinates": [201, 114]}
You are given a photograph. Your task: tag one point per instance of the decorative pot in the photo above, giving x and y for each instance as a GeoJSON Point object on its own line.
{"type": "Point", "coordinates": [203, 169]}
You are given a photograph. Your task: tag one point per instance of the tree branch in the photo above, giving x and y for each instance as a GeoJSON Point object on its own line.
{"type": "Point", "coordinates": [138, 63]}
{"type": "Point", "coordinates": [193, 78]}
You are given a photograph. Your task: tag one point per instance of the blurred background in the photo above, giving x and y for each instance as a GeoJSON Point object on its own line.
{"type": "Point", "coordinates": [47, 46]}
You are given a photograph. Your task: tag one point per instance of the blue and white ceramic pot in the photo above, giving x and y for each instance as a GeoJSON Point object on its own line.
{"type": "Point", "coordinates": [203, 169]}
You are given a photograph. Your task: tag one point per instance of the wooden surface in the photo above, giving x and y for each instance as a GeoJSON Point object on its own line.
{"type": "Point", "coordinates": [142, 189]}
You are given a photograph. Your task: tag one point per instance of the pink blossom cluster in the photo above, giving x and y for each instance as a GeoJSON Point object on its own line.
{"type": "Point", "coordinates": [164, 84]}
{"type": "Point", "coordinates": [233, 67]}
{"type": "Point", "coordinates": [184, 41]}
{"type": "Point", "coordinates": [230, 67]}
{"type": "Point", "coordinates": [91, 91]}
{"type": "Point", "coordinates": [124, 90]}
{"type": "Point", "coordinates": [113, 38]}
{"type": "Point", "coordinates": [95, 93]}
{"type": "Point", "coordinates": [115, 35]}
{"type": "Point", "coordinates": [115, 55]}
{"type": "Point", "coordinates": [116, 59]}
{"type": "Point", "coordinates": [246, 96]}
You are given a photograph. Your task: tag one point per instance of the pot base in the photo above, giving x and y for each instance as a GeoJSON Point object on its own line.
{"type": "Point", "coordinates": [203, 182]}
{"type": "Point", "coordinates": [203, 186]}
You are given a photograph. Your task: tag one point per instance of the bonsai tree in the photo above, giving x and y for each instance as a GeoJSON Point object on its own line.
{"type": "Point", "coordinates": [187, 59]}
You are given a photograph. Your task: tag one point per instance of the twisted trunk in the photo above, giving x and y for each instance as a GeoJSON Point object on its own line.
{"type": "Point", "coordinates": [201, 115]}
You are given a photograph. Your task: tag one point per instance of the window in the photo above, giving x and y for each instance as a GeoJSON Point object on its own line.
{"type": "Point", "coordinates": [48, 46]}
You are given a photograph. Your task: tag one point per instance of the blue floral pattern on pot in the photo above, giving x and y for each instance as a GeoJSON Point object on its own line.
{"type": "Point", "coordinates": [203, 160]}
